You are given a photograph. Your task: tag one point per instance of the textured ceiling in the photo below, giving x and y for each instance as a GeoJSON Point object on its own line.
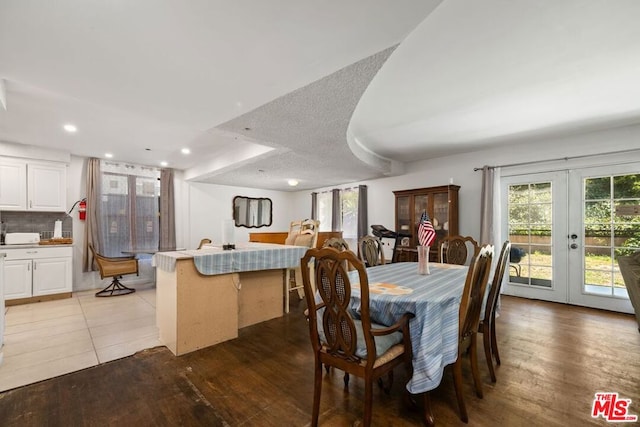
{"type": "Point", "coordinates": [262, 92]}
{"type": "Point", "coordinates": [307, 129]}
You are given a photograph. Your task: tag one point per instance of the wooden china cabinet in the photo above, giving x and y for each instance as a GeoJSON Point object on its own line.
{"type": "Point", "coordinates": [440, 203]}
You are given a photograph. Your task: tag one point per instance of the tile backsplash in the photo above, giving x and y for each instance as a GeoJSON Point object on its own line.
{"type": "Point", "coordinates": [36, 222]}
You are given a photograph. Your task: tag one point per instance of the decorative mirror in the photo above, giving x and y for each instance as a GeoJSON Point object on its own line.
{"type": "Point", "coordinates": [252, 212]}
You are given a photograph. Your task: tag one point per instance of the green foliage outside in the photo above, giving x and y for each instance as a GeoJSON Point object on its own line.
{"type": "Point", "coordinates": [610, 222]}
{"type": "Point", "coordinates": [598, 269]}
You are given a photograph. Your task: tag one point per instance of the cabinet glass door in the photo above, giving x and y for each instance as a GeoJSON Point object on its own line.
{"type": "Point", "coordinates": [420, 205]}
{"type": "Point", "coordinates": [404, 214]}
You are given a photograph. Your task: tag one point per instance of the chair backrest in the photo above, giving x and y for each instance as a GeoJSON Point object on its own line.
{"type": "Point", "coordinates": [496, 283]}
{"type": "Point", "coordinates": [204, 242]}
{"type": "Point", "coordinates": [114, 266]}
{"type": "Point", "coordinates": [458, 249]}
{"type": "Point", "coordinates": [473, 293]}
{"type": "Point", "coordinates": [303, 233]}
{"type": "Point", "coordinates": [337, 243]}
{"type": "Point", "coordinates": [331, 324]}
{"type": "Point", "coordinates": [370, 251]}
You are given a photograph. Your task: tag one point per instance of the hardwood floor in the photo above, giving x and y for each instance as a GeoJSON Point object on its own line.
{"type": "Point", "coordinates": [554, 359]}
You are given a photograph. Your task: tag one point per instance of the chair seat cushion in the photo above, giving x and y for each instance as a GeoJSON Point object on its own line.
{"type": "Point", "coordinates": [383, 342]}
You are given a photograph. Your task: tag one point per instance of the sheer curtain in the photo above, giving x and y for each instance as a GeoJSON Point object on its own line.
{"type": "Point", "coordinates": [490, 215]}
{"type": "Point", "coordinates": [128, 208]}
{"type": "Point", "coordinates": [490, 208]}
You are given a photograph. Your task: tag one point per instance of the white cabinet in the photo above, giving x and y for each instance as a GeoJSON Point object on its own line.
{"type": "Point", "coordinates": [32, 272]}
{"type": "Point", "coordinates": [13, 185]}
{"type": "Point", "coordinates": [51, 276]}
{"type": "Point", "coordinates": [18, 275]}
{"type": "Point", "coordinates": [32, 186]}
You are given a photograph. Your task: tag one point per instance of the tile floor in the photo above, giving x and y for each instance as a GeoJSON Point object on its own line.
{"type": "Point", "coordinates": [48, 339]}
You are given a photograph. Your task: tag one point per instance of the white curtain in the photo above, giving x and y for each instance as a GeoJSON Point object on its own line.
{"type": "Point", "coordinates": [129, 208]}
{"type": "Point", "coordinates": [490, 216]}
{"type": "Point", "coordinates": [490, 207]}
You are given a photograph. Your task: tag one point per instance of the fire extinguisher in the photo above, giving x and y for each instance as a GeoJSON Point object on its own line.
{"type": "Point", "coordinates": [82, 209]}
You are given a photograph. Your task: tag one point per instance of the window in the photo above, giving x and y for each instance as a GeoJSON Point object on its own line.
{"type": "Point", "coordinates": [324, 210]}
{"type": "Point", "coordinates": [129, 208]}
{"type": "Point", "coordinates": [348, 213]}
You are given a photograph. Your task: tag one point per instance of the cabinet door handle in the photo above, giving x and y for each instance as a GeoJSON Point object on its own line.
{"type": "Point", "coordinates": [30, 203]}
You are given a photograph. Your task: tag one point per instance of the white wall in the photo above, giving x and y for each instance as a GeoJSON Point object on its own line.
{"type": "Point", "coordinates": [204, 207]}
{"type": "Point", "coordinates": [201, 208]}
{"type": "Point", "coordinates": [460, 167]}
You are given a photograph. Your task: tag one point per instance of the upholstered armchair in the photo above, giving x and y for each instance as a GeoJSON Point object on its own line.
{"type": "Point", "coordinates": [115, 267]}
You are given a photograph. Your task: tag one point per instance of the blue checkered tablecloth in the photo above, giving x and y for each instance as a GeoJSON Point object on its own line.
{"type": "Point", "coordinates": [253, 257]}
{"type": "Point", "coordinates": [434, 299]}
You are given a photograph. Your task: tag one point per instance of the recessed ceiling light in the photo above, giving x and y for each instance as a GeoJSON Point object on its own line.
{"type": "Point", "coordinates": [164, 164]}
{"type": "Point", "coordinates": [108, 155]}
{"type": "Point", "coordinates": [70, 128]}
{"type": "Point", "coordinates": [185, 151]}
{"type": "Point", "coordinates": [293, 182]}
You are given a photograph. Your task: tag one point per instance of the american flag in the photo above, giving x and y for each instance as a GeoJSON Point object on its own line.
{"type": "Point", "coordinates": [426, 232]}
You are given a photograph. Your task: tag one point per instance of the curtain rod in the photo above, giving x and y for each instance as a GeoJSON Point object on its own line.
{"type": "Point", "coordinates": [533, 162]}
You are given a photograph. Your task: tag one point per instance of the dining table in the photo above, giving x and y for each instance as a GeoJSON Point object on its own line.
{"type": "Point", "coordinates": [433, 299]}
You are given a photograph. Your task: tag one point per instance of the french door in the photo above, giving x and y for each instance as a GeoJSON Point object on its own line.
{"type": "Point", "coordinates": [567, 230]}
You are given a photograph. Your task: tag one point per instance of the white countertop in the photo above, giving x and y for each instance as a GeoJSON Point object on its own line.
{"type": "Point", "coordinates": [33, 245]}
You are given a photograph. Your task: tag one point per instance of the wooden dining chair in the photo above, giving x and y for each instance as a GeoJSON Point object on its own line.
{"type": "Point", "coordinates": [458, 249]}
{"type": "Point", "coordinates": [203, 242]}
{"type": "Point", "coordinates": [355, 346]}
{"type": "Point", "coordinates": [301, 233]}
{"type": "Point", "coordinates": [469, 318]}
{"type": "Point", "coordinates": [337, 243]}
{"type": "Point", "coordinates": [487, 325]}
{"type": "Point", "coordinates": [370, 251]}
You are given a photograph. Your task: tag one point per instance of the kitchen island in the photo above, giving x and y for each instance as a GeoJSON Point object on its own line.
{"type": "Point", "coordinates": [204, 296]}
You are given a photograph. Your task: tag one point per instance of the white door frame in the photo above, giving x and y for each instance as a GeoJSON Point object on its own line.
{"type": "Point", "coordinates": [558, 292]}
{"type": "Point", "coordinates": [577, 294]}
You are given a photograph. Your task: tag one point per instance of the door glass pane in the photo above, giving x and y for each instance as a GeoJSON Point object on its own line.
{"type": "Point", "coordinates": [611, 229]}
{"type": "Point", "coordinates": [530, 232]}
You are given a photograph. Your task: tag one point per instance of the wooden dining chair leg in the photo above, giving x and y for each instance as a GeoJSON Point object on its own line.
{"type": "Point", "coordinates": [386, 387]}
{"type": "Point", "coordinates": [494, 342]}
{"type": "Point", "coordinates": [474, 365]}
{"type": "Point", "coordinates": [317, 390]}
{"type": "Point", "coordinates": [428, 412]}
{"type": "Point", "coordinates": [486, 338]}
{"type": "Point", "coordinates": [457, 382]}
{"type": "Point", "coordinates": [368, 402]}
